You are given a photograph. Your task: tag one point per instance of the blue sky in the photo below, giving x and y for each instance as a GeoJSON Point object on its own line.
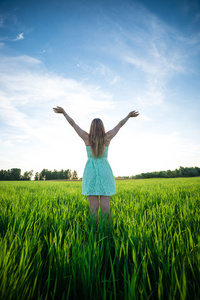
{"type": "Point", "coordinates": [100, 59]}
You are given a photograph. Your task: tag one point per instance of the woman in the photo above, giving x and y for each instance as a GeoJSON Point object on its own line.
{"type": "Point", "coordinates": [98, 179]}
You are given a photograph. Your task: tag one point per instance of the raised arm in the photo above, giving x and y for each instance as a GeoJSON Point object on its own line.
{"type": "Point", "coordinates": [83, 134]}
{"type": "Point", "coordinates": [114, 131]}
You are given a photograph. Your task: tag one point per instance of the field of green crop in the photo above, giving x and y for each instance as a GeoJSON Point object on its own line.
{"type": "Point", "coordinates": [49, 249]}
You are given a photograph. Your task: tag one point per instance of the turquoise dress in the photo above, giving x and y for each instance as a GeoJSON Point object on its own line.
{"type": "Point", "coordinates": [98, 177]}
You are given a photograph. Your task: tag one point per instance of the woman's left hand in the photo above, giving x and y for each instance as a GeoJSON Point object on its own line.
{"type": "Point", "coordinates": [133, 114]}
{"type": "Point", "coordinates": [59, 110]}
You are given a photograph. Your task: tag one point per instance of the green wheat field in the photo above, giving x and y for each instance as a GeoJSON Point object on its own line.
{"type": "Point", "coordinates": [50, 249]}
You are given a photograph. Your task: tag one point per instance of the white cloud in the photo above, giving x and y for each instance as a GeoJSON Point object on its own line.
{"type": "Point", "coordinates": [19, 37]}
{"type": "Point", "coordinates": [157, 65]}
{"type": "Point", "coordinates": [29, 92]}
{"type": "Point", "coordinates": [16, 65]}
{"type": "Point", "coordinates": [99, 69]}
{"type": "Point", "coordinates": [153, 52]}
{"type": "Point", "coordinates": [115, 80]}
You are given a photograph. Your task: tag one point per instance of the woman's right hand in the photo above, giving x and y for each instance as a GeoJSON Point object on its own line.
{"type": "Point", "coordinates": [133, 113]}
{"type": "Point", "coordinates": [59, 110]}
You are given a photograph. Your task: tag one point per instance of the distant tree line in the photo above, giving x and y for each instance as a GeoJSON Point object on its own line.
{"type": "Point", "coordinates": [51, 175]}
{"type": "Point", "coordinates": [181, 172]}
{"type": "Point", "coordinates": [15, 174]}
{"type": "Point", "coordinates": [45, 174]}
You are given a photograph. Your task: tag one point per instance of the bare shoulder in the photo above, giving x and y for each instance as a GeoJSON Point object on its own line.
{"type": "Point", "coordinates": [86, 139]}
{"type": "Point", "coordinates": [107, 140]}
{"type": "Point", "coordinates": [82, 133]}
{"type": "Point", "coordinates": [111, 133]}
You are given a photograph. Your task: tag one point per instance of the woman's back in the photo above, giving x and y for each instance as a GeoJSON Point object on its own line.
{"type": "Point", "coordinates": [90, 154]}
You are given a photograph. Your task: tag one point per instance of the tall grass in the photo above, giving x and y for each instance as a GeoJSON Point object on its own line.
{"type": "Point", "coordinates": [50, 249]}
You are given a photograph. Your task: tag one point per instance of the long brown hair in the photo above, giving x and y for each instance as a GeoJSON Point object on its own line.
{"type": "Point", "coordinates": [97, 137]}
